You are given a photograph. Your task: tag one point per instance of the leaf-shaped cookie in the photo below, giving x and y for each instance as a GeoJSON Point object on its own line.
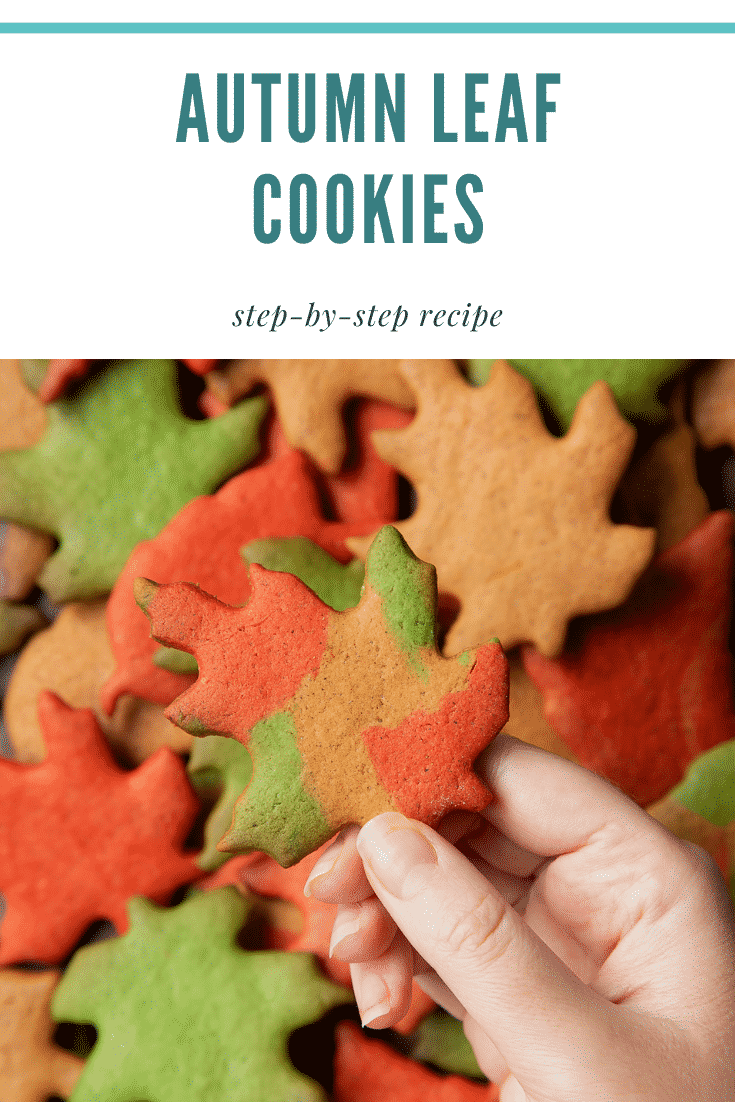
{"type": "Point", "coordinates": [345, 714]}
{"type": "Point", "coordinates": [31, 1066]}
{"type": "Point", "coordinates": [514, 519]}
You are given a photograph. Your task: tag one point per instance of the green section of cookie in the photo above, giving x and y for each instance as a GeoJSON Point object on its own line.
{"type": "Point", "coordinates": [336, 584]}
{"type": "Point", "coordinates": [440, 1040]}
{"type": "Point", "coordinates": [563, 382]}
{"type": "Point", "coordinates": [223, 764]}
{"type": "Point", "coordinates": [708, 788]}
{"type": "Point", "coordinates": [175, 661]}
{"type": "Point", "coordinates": [117, 461]}
{"type": "Point", "coordinates": [183, 1013]}
{"type": "Point", "coordinates": [17, 622]}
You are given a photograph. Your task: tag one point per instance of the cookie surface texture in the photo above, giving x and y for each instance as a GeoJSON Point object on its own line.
{"type": "Point", "coordinates": [117, 461]}
{"type": "Point", "coordinates": [345, 714]}
{"type": "Point", "coordinates": [309, 395]}
{"type": "Point", "coordinates": [80, 836]}
{"type": "Point", "coordinates": [563, 382]}
{"type": "Point", "coordinates": [32, 1067]}
{"type": "Point", "coordinates": [183, 1013]}
{"type": "Point", "coordinates": [515, 520]}
{"type": "Point", "coordinates": [648, 688]}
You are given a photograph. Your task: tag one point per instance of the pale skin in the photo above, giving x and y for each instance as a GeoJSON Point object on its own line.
{"type": "Point", "coordinates": [589, 953]}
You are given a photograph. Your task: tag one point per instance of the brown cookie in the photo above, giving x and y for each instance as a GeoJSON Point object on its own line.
{"type": "Point", "coordinates": [73, 658]}
{"type": "Point", "coordinates": [526, 719]}
{"type": "Point", "coordinates": [661, 489]}
{"type": "Point", "coordinates": [32, 1067]}
{"type": "Point", "coordinates": [713, 404]}
{"type": "Point", "coordinates": [22, 554]}
{"type": "Point", "coordinates": [309, 395]}
{"type": "Point", "coordinates": [22, 417]}
{"type": "Point", "coordinates": [515, 520]}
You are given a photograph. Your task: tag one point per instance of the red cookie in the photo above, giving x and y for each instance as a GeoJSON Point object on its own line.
{"type": "Point", "coordinates": [368, 1070]}
{"type": "Point", "coordinates": [80, 836]}
{"type": "Point", "coordinates": [648, 688]}
{"type": "Point", "coordinates": [202, 545]}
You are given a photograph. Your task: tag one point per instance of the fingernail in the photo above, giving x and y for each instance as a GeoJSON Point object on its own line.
{"type": "Point", "coordinates": [372, 994]}
{"type": "Point", "coordinates": [399, 855]}
{"type": "Point", "coordinates": [325, 864]}
{"type": "Point", "coordinates": [345, 925]}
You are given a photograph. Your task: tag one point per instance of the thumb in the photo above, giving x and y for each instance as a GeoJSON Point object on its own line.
{"type": "Point", "coordinates": [533, 1008]}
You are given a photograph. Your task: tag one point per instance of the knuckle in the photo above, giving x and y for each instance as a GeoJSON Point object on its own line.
{"type": "Point", "coordinates": [483, 930]}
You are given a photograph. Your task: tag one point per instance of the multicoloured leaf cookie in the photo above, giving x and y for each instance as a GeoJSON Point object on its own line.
{"type": "Point", "coordinates": [80, 836]}
{"type": "Point", "coordinates": [262, 875]}
{"type": "Point", "coordinates": [641, 692]}
{"type": "Point", "coordinates": [202, 544]}
{"type": "Point", "coordinates": [116, 462]}
{"type": "Point", "coordinates": [563, 382]}
{"type": "Point", "coordinates": [72, 658]}
{"type": "Point", "coordinates": [368, 1070]}
{"type": "Point", "coordinates": [309, 396]}
{"type": "Point", "coordinates": [345, 714]}
{"type": "Point", "coordinates": [183, 1013]}
{"type": "Point", "coordinates": [32, 1067]}
{"type": "Point", "coordinates": [515, 520]}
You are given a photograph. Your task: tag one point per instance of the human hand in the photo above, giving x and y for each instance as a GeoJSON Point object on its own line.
{"type": "Point", "coordinates": [588, 951]}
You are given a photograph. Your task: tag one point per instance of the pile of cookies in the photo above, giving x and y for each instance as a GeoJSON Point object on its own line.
{"type": "Point", "coordinates": [246, 603]}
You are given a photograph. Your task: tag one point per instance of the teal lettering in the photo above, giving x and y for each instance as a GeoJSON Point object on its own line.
{"type": "Point", "coordinates": [266, 82]}
{"type": "Point", "coordinates": [307, 133]}
{"type": "Point", "coordinates": [192, 97]}
{"type": "Point", "coordinates": [384, 105]}
{"type": "Point", "coordinates": [353, 105]}
{"type": "Point", "coordinates": [472, 108]}
{"type": "Point", "coordinates": [374, 206]}
{"type": "Point", "coordinates": [511, 97]}
{"type": "Point", "coordinates": [440, 135]}
{"type": "Point", "coordinates": [238, 107]}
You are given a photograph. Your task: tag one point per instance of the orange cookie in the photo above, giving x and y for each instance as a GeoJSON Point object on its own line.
{"type": "Point", "coordinates": [514, 519]}
{"type": "Point", "coordinates": [713, 404]}
{"type": "Point", "coordinates": [309, 395]}
{"type": "Point", "coordinates": [73, 658]}
{"type": "Point", "coordinates": [23, 419]}
{"type": "Point", "coordinates": [661, 488]}
{"type": "Point", "coordinates": [32, 1067]}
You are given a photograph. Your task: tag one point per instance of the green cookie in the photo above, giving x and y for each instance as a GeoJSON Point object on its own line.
{"type": "Point", "coordinates": [184, 1015]}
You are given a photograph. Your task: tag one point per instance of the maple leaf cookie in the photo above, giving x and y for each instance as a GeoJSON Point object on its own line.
{"type": "Point", "coordinates": [515, 520]}
{"type": "Point", "coordinates": [345, 714]}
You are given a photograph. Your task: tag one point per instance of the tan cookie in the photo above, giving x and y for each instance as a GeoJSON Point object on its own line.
{"type": "Point", "coordinates": [515, 520]}
{"type": "Point", "coordinates": [22, 417]}
{"type": "Point", "coordinates": [309, 395]}
{"type": "Point", "coordinates": [661, 489]}
{"type": "Point", "coordinates": [22, 554]}
{"type": "Point", "coordinates": [32, 1067]}
{"type": "Point", "coordinates": [526, 719]}
{"type": "Point", "coordinates": [73, 658]}
{"type": "Point", "coordinates": [713, 404]}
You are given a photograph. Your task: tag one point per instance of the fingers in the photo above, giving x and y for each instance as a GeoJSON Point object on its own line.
{"type": "Point", "coordinates": [520, 994]}
{"type": "Point", "coordinates": [338, 875]}
{"type": "Point", "coordinates": [383, 986]}
{"type": "Point", "coordinates": [361, 931]}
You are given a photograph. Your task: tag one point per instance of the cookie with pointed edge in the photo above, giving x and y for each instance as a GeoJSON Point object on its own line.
{"type": "Point", "coordinates": [279, 498]}
{"type": "Point", "coordinates": [701, 808]}
{"type": "Point", "coordinates": [17, 622]}
{"type": "Point", "coordinates": [183, 1013]}
{"type": "Point", "coordinates": [23, 420]}
{"type": "Point", "coordinates": [368, 1070]}
{"type": "Point", "coordinates": [713, 404]}
{"type": "Point", "coordinates": [563, 382]}
{"type": "Point", "coordinates": [117, 461]}
{"type": "Point", "coordinates": [80, 836]}
{"type": "Point", "coordinates": [643, 691]}
{"type": "Point", "coordinates": [50, 378]}
{"type": "Point", "coordinates": [661, 488]}
{"type": "Point", "coordinates": [22, 555]}
{"type": "Point", "coordinates": [262, 875]}
{"type": "Point", "coordinates": [309, 396]}
{"type": "Point", "coordinates": [336, 584]}
{"type": "Point", "coordinates": [515, 520]}
{"type": "Point", "coordinates": [345, 714]}
{"type": "Point", "coordinates": [32, 1067]}
{"type": "Point", "coordinates": [72, 658]}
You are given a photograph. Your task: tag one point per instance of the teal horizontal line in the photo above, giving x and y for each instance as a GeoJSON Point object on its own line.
{"type": "Point", "coordinates": [367, 28]}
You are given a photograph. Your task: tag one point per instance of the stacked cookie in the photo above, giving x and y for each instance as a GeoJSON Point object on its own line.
{"type": "Point", "coordinates": [286, 596]}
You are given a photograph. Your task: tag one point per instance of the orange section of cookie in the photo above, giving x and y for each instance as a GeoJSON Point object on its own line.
{"type": "Point", "coordinates": [73, 659]}
{"type": "Point", "coordinates": [79, 836]}
{"type": "Point", "coordinates": [309, 396]}
{"type": "Point", "coordinates": [642, 691]}
{"type": "Point", "coordinates": [713, 404]}
{"type": "Point", "coordinates": [32, 1067]}
{"type": "Point", "coordinates": [515, 520]}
